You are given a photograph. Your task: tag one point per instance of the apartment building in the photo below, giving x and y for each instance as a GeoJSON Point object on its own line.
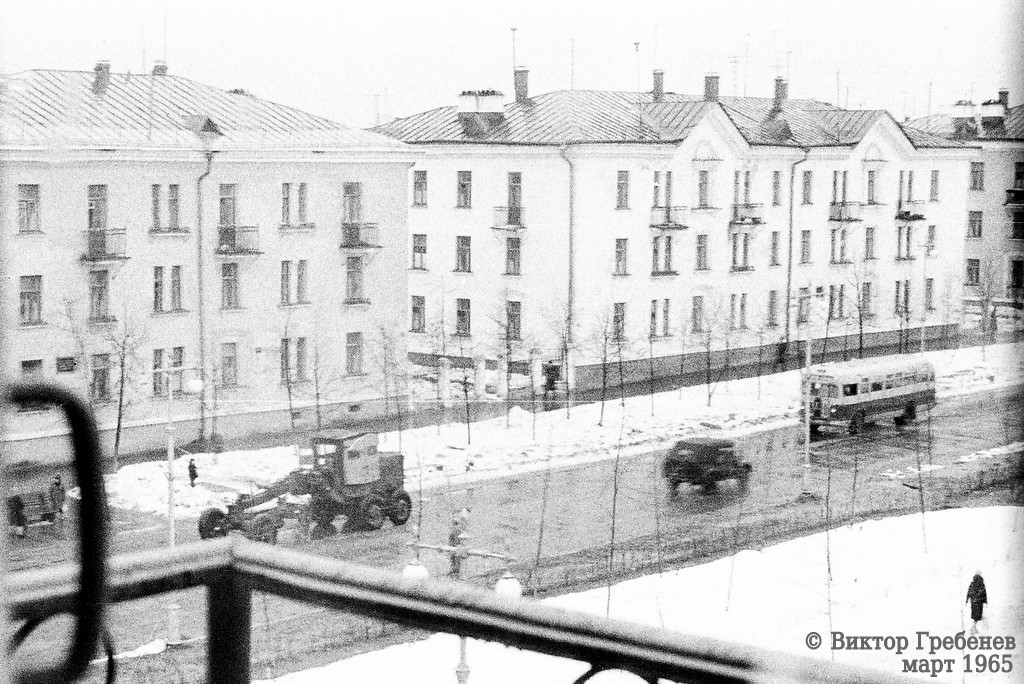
{"type": "Point", "coordinates": [993, 268]}
{"type": "Point", "coordinates": [584, 228]}
{"type": "Point", "coordinates": [152, 223]}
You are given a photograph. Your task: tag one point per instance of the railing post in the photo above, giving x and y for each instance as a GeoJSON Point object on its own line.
{"type": "Point", "coordinates": [229, 629]}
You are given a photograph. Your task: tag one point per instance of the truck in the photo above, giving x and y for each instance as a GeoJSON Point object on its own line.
{"type": "Point", "coordinates": [704, 461]}
{"type": "Point", "coordinates": [340, 475]}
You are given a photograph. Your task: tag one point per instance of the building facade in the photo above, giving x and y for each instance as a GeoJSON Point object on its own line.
{"type": "Point", "coordinates": [993, 269]}
{"type": "Point", "coordinates": [154, 223]}
{"type": "Point", "coordinates": [644, 231]}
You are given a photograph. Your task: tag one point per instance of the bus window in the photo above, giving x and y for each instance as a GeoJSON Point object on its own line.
{"type": "Point", "coordinates": [850, 390]}
{"type": "Point", "coordinates": [876, 386]}
{"type": "Point", "coordinates": [888, 382]}
{"type": "Point", "coordinates": [864, 386]}
{"type": "Point", "coordinates": [833, 391]}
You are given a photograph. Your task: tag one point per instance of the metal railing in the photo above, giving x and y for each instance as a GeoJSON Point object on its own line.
{"type": "Point", "coordinates": [104, 245]}
{"type": "Point", "coordinates": [233, 568]}
{"type": "Point", "coordinates": [845, 211]}
{"type": "Point", "coordinates": [238, 240]}
{"type": "Point", "coordinates": [668, 217]}
{"type": "Point", "coordinates": [509, 218]}
{"type": "Point", "coordinates": [747, 214]}
{"type": "Point", "coordinates": [360, 236]}
{"type": "Point", "coordinates": [907, 210]}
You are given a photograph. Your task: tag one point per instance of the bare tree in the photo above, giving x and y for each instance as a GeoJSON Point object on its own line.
{"type": "Point", "coordinates": [393, 370]}
{"type": "Point", "coordinates": [560, 322]}
{"type": "Point", "coordinates": [602, 335]}
{"type": "Point", "coordinates": [715, 327]}
{"type": "Point", "coordinates": [987, 294]}
{"type": "Point", "coordinates": [509, 343]}
{"type": "Point", "coordinates": [124, 341]}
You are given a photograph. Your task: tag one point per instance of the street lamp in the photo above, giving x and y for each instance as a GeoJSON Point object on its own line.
{"type": "Point", "coordinates": [194, 386]}
{"type": "Point", "coordinates": [811, 295]}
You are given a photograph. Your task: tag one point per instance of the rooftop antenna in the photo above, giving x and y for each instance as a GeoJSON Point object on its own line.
{"type": "Point", "coordinates": [837, 87]}
{"type": "Point", "coordinates": [513, 49]}
{"type": "Point", "coordinates": [636, 48]}
{"type": "Point", "coordinates": [746, 63]}
{"type": "Point", "coordinates": [788, 53]}
{"type": "Point", "coordinates": [376, 109]}
{"type": "Point", "coordinates": [734, 60]}
{"type": "Point", "coordinates": [929, 98]}
{"type": "Point", "coordinates": [165, 31]}
{"type": "Point", "coordinates": [655, 43]}
{"type": "Point", "coordinates": [572, 64]}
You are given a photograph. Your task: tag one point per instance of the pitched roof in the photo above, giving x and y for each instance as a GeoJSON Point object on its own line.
{"type": "Point", "coordinates": [941, 125]}
{"type": "Point", "coordinates": [44, 107]}
{"type": "Point", "coordinates": [601, 116]}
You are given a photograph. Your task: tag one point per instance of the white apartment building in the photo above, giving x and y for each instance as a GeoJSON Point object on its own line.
{"type": "Point", "coordinates": [582, 228]}
{"type": "Point", "coordinates": [993, 269]}
{"type": "Point", "coordinates": [151, 222]}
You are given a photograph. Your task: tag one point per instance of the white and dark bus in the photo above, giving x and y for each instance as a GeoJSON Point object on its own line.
{"type": "Point", "coordinates": [852, 394]}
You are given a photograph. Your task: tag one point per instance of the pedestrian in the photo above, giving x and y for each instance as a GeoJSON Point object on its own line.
{"type": "Point", "coordinates": [456, 535]}
{"type": "Point", "coordinates": [977, 597]}
{"type": "Point", "coordinates": [193, 472]}
{"type": "Point", "coordinates": [58, 495]}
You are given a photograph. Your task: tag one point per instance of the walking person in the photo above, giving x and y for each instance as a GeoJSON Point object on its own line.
{"type": "Point", "coordinates": [193, 472]}
{"type": "Point", "coordinates": [456, 536]}
{"type": "Point", "coordinates": [58, 496]}
{"type": "Point", "coordinates": [977, 597]}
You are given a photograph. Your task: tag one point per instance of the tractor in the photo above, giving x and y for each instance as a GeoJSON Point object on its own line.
{"type": "Point", "coordinates": [342, 474]}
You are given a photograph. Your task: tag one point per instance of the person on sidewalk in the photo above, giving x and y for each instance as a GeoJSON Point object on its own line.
{"type": "Point", "coordinates": [58, 496]}
{"type": "Point", "coordinates": [977, 597]}
{"type": "Point", "coordinates": [193, 472]}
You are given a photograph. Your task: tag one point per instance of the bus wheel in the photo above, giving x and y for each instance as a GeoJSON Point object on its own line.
{"type": "Point", "coordinates": [857, 423]}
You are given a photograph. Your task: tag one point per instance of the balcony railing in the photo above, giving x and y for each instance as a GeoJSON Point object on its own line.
{"type": "Point", "coordinates": [747, 214]}
{"type": "Point", "coordinates": [294, 227]}
{"type": "Point", "coordinates": [668, 218]}
{"type": "Point", "coordinates": [1014, 197]}
{"type": "Point", "coordinates": [360, 236]}
{"type": "Point", "coordinates": [104, 245]}
{"type": "Point", "coordinates": [845, 211]}
{"type": "Point", "coordinates": [168, 230]}
{"type": "Point", "coordinates": [234, 240]}
{"type": "Point", "coordinates": [509, 218]}
{"type": "Point", "coordinates": [909, 210]}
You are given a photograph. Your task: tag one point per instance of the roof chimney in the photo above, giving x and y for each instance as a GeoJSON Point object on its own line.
{"type": "Point", "coordinates": [521, 81]}
{"type": "Point", "coordinates": [102, 80]}
{"type": "Point", "coordinates": [965, 126]}
{"type": "Point", "coordinates": [1004, 97]}
{"type": "Point", "coordinates": [711, 88]}
{"type": "Point", "coordinates": [781, 93]}
{"type": "Point", "coordinates": [658, 90]}
{"type": "Point", "coordinates": [160, 68]}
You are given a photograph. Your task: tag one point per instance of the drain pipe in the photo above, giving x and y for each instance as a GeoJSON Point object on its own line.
{"type": "Point", "coordinates": [570, 318]}
{"type": "Point", "coordinates": [202, 295]}
{"type": "Point", "coordinates": [789, 259]}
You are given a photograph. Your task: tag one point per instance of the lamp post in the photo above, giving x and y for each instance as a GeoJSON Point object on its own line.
{"type": "Point", "coordinates": [926, 250]}
{"type": "Point", "coordinates": [805, 492]}
{"type": "Point", "coordinates": [194, 386]}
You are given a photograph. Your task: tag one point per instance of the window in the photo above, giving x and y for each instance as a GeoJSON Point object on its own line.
{"type": "Point", "coordinates": [99, 377]}
{"type": "Point", "coordinates": [836, 301]}
{"type": "Point", "coordinates": [286, 282]}
{"type": "Point", "coordinates": [621, 256]}
{"type": "Point", "coordinates": [732, 311]}
{"type": "Point", "coordinates": [872, 185]}
{"type": "Point", "coordinates": [293, 359]}
{"type": "Point", "coordinates": [740, 251]}
{"type": "Point", "coordinates": [697, 314]}
{"type": "Point", "coordinates": [839, 246]}
{"type": "Point", "coordinates": [865, 300]}
{"type": "Point", "coordinates": [869, 243]}
{"type": "Point", "coordinates": [933, 192]}
{"type": "Point", "coordinates": [839, 186]}
{"type": "Point", "coordinates": [1017, 227]}
{"type": "Point", "coordinates": [515, 198]}
{"type": "Point", "coordinates": [773, 308]}
{"type": "Point", "coordinates": [300, 358]}
{"type": "Point", "coordinates": [464, 189]}
{"type": "Point", "coordinates": [808, 180]}
{"type": "Point", "coordinates": [419, 188]}
{"type": "Point", "coordinates": [703, 189]}
{"type": "Point", "coordinates": [97, 207]}
{"type": "Point", "coordinates": [159, 376]}
{"type": "Point", "coordinates": [462, 318]}
{"type": "Point", "coordinates": [803, 308]}
{"type": "Point", "coordinates": [702, 252]}
{"type": "Point", "coordinates": [910, 185]}
{"type": "Point", "coordinates": [419, 251]}
{"type": "Point", "coordinates": [352, 203]}
{"type": "Point", "coordinates": [156, 194]}
{"type": "Point", "coordinates": [656, 202]}
{"type": "Point", "coordinates": [419, 314]}
{"type": "Point", "coordinates": [655, 255]}
{"type": "Point", "coordinates": [776, 188]}
{"type": "Point", "coordinates": [229, 286]}
{"type": "Point", "coordinates": [229, 364]}
{"type": "Point", "coordinates": [354, 279]}
{"type": "Point", "coordinates": [667, 265]}
{"type": "Point", "coordinates": [738, 311]}
{"type": "Point", "coordinates": [173, 207]}
{"type": "Point", "coordinates": [66, 364]}
{"type": "Point", "coordinates": [973, 272]}
{"type": "Point", "coordinates": [99, 295]}
{"type": "Point", "coordinates": [930, 245]}
{"type": "Point", "coordinates": [619, 321]}
{"type": "Point", "coordinates": [929, 294]}
{"type": "Point", "coordinates": [301, 293]}
{"type": "Point", "coordinates": [303, 203]}
{"type": "Point", "coordinates": [974, 224]}
{"type": "Point", "coordinates": [903, 241]}
{"type": "Point", "coordinates": [227, 204]}
{"type": "Point", "coordinates": [775, 249]}
{"type": "Point", "coordinates": [158, 289]}
{"type": "Point", "coordinates": [622, 191]}
{"type": "Point", "coordinates": [903, 298]}
{"type": "Point", "coordinates": [977, 175]}
{"type": "Point", "coordinates": [286, 204]}
{"type": "Point", "coordinates": [1018, 175]}
{"type": "Point", "coordinates": [31, 300]}
{"type": "Point", "coordinates": [513, 320]}
{"type": "Point", "coordinates": [286, 361]}
{"type": "Point", "coordinates": [294, 292]}
{"type": "Point", "coordinates": [512, 256]}
{"type": "Point", "coordinates": [654, 318]}
{"type": "Point", "coordinates": [741, 187]}
{"type": "Point", "coordinates": [665, 309]}
{"type": "Point", "coordinates": [28, 209]}
{"type": "Point", "coordinates": [463, 263]}
{"type": "Point", "coordinates": [354, 353]}
{"type": "Point", "coordinates": [805, 246]}
{"type": "Point", "coordinates": [1017, 273]}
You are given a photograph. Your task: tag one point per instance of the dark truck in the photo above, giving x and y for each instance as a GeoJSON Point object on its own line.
{"type": "Point", "coordinates": [704, 461]}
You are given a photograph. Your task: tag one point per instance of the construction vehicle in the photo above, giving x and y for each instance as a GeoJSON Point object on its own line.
{"type": "Point", "coordinates": [342, 474]}
{"type": "Point", "coordinates": [704, 461]}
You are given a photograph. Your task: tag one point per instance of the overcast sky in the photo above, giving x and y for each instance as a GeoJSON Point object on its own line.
{"type": "Point", "coordinates": [356, 61]}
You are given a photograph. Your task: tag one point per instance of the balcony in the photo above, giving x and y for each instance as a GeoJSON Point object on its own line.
{"type": "Point", "coordinates": [747, 215]}
{"type": "Point", "coordinates": [508, 218]}
{"type": "Point", "coordinates": [1014, 198]}
{"type": "Point", "coordinates": [296, 227]}
{"type": "Point", "coordinates": [360, 236]}
{"type": "Point", "coordinates": [845, 211]}
{"type": "Point", "coordinates": [668, 218]}
{"type": "Point", "coordinates": [104, 245]}
{"type": "Point", "coordinates": [238, 240]}
{"type": "Point", "coordinates": [909, 210]}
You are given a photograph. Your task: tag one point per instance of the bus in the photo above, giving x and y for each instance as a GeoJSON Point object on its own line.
{"type": "Point", "coordinates": [852, 394]}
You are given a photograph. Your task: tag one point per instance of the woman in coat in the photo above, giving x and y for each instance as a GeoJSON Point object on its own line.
{"type": "Point", "coordinates": [976, 596]}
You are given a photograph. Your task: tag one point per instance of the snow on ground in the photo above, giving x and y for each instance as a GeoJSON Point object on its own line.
{"type": "Point", "coordinates": [445, 454]}
{"type": "Point", "coordinates": [915, 581]}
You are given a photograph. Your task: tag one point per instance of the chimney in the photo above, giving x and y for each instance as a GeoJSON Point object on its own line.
{"type": "Point", "coordinates": [160, 68]}
{"type": "Point", "coordinates": [102, 80]}
{"type": "Point", "coordinates": [781, 93]}
{"type": "Point", "coordinates": [521, 81]}
{"type": "Point", "coordinates": [965, 125]}
{"type": "Point", "coordinates": [1004, 97]}
{"type": "Point", "coordinates": [711, 88]}
{"type": "Point", "coordinates": [658, 91]}
{"type": "Point", "coordinates": [480, 110]}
